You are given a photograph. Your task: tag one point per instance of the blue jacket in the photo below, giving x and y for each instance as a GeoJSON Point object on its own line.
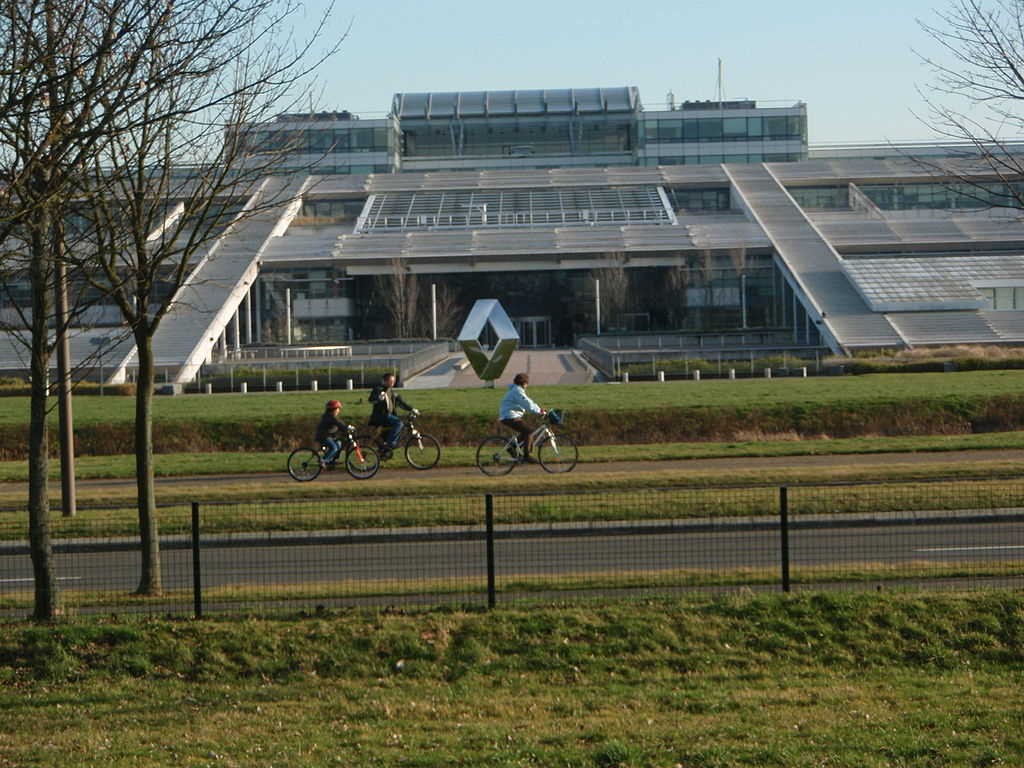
{"type": "Point", "coordinates": [516, 403]}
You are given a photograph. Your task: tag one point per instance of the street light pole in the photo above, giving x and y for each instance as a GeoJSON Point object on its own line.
{"type": "Point", "coordinates": [433, 311]}
{"type": "Point", "coordinates": [597, 302]}
{"type": "Point", "coordinates": [66, 421]}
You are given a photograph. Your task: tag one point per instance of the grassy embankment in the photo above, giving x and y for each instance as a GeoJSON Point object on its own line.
{"type": "Point", "coordinates": [768, 681]}
{"type": "Point", "coordinates": [748, 411]}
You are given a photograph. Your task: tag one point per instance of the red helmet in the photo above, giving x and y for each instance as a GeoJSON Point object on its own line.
{"type": "Point", "coordinates": [332, 404]}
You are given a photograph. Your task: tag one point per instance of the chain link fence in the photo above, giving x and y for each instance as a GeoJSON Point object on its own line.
{"type": "Point", "coordinates": [295, 555]}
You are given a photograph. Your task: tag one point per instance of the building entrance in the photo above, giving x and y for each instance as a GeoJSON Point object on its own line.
{"type": "Point", "coordinates": [533, 331]}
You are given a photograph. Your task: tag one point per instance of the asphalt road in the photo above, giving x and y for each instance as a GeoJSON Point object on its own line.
{"type": "Point", "coordinates": [457, 554]}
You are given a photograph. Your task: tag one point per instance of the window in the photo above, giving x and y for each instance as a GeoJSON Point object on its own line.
{"type": "Point", "coordinates": [734, 128]}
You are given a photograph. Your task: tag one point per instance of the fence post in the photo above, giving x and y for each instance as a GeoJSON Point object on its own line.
{"type": "Point", "coordinates": [784, 534]}
{"type": "Point", "coordinates": [197, 580]}
{"type": "Point", "coordinates": [489, 524]}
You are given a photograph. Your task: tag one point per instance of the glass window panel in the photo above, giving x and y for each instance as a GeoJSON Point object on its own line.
{"type": "Point", "coordinates": [753, 126]}
{"type": "Point", "coordinates": [691, 130]}
{"type": "Point", "coordinates": [734, 127]}
{"type": "Point", "coordinates": [710, 129]}
{"type": "Point", "coordinates": [670, 130]}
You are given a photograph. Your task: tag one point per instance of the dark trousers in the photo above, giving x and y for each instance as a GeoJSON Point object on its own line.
{"type": "Point", "coordinates": [524, 432]}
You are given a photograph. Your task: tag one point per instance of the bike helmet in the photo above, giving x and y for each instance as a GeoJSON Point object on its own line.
{"type": "Point", "coordinates": [556, 417]}
{"type": "Point", "coordinates": [332, 404]}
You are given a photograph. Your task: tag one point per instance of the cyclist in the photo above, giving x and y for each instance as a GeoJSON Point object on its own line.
{"type": "Point", "coordinates": [328, 427]}
{"type": "Point", "coordinates": [385, 402]}
{"type": "Point", "coordinates": [514, 406]}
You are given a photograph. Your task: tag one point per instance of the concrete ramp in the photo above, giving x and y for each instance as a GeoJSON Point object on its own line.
{"type": "Point", "coordinates": [545, 366]}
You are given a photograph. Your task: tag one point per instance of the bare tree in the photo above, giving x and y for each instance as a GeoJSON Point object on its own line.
{"type": "Point", "coordinates": [614, 288]}
{"type": "Point", "coordinates": [63, 69]}
{"type": "Point", "coordinates": [178, 173]}
{"type": "Point", "coordinates": [975, 95]}
{"type": "Point", "coordinates": [399, 293]}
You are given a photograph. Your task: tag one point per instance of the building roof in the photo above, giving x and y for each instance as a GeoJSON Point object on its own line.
{"type": "Point", "coordinates": [445, 105]}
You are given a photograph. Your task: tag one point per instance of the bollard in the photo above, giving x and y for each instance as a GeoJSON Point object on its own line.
{"type": "Point", "coordinates": [209, 388]}
{"type": "Point", "coordinates": [661, 376]}
{"type": "Point", "coordinates": [803, 372]}
{"type": "Point", "coordinates": [625, 377]}
{"type": "Point", "coordinates": [767, 373]}
{"type": "Point", "coordinates": [280, 386]}
{"type": "Point", "coordinates": [696, 375]}
{"type": "Point", "coordinates": [348, 384]}
{"type": "Point", "coordinates": [244, 387]}
{"type": "Point", "coordinates": [314, 385]}
{"type": "Point", "coordinates": [732, 373]}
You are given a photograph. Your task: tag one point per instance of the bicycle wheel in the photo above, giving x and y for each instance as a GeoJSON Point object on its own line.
{"type": "Point", "coordinates": [557, 452]}
{"type": "Point", "coordinates": [362, 462]}
{"type": "Point", "coordinates": [493, 458]}
{"type": "Point", "coordinates": [423, 452]}
{"type": "Point", "coordinates": [304, 464]}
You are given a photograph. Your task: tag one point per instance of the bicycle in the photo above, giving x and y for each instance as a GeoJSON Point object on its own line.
{"type": "Point", "coordinates": [361, 461]}
{"type": "Point", "coordinates": [556, 450]}
{"type": "Point", "coordinates": [422, 451]}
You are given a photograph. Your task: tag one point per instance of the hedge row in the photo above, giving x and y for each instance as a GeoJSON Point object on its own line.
{"type": "Point", "coordinates": [896, 418]}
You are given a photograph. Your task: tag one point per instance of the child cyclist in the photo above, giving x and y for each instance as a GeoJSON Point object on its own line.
{"type": "Point", "coordinates": [328, 429]}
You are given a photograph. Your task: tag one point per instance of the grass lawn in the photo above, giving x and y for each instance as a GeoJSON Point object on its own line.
{"type": "Point", "coordinates": [745, 681]}
{"type": "Point", "coordinates": [745, 393]}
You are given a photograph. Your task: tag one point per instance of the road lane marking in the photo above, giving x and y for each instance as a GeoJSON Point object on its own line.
{"type": "Point", "coordinates": [30, 579]}
{"type": "Point", "coordinates": [971, 549]}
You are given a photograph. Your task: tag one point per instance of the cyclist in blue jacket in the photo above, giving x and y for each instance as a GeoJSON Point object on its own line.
{"type": "Point", "coordinates": [514, 406]}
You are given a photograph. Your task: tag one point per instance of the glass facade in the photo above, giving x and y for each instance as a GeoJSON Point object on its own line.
{"type": "Point", "coordinates": [830, 198]}
{"type": "Point", "coordinates": [682, 129]}
{"type": "Point", "coordinates": [518, 137]}
{"type": "Point", "coordinates": [898, 197]}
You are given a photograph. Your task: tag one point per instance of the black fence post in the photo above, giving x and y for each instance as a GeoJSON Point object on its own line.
{"type": "Point", "coordinates": [784, 534]}
{"type": "Point", "coordinates": [489, 522]}
{"type": "Point", "coordinates": [197, 580]}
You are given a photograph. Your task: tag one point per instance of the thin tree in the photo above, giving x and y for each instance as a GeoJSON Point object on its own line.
{"type": "Point", "coordinates": [614, 288]}
{"type": "Point", "coordinates": [62, 66]}
{"type": "Point", "coordinates": [180, 173]}
{"type": "Point", "coordinates": [398, 292]}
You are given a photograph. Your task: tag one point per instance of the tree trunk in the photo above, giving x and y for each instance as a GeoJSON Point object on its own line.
{"type": "Point", "coordinates": [46, 596]}
{"type": "Point", "coordinates": [150, 582]}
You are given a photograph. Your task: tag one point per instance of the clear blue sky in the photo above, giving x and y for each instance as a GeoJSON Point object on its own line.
{"type": "Point", "coordinates": [852, 63]}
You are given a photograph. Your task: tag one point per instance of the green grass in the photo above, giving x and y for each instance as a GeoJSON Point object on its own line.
{"type": "Point", "coordinates": [235, 462]}
{"type": "Point", "coordinates": [609, 397]}
{"type": "Point", "coordinates": [866, 681]}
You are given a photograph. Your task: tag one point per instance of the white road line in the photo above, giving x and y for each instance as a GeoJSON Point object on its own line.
{"type": "Point", "coordinates": [30, 580]}
{"type": "Point", "coordinates": [970, 549]}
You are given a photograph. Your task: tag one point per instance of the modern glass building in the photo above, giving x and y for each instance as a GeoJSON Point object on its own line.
{"type": "Point", "coordinates": [708, 219]}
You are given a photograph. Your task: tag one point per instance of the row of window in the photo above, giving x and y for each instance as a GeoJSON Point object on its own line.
{"type": "Point", "coordinates": [324, 140]}
{"type": "Point", "coordinates": [1003, 299]}
{"type": "Point", "coordinates": [891, 197]}
{"type": "Point", "coordinates": [793, 127]}
{"type": "Point", "coordinates": [715, 159]}
{"type": "Point", "coordinates": [684, 199]}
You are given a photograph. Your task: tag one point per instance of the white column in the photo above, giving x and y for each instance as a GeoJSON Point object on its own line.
{"type": "Point", "coordinates": [288, 315]}
{"type": "Point", "coordinates": [248, 316]}
{"type": "Point", "coordinates": [235, 332]}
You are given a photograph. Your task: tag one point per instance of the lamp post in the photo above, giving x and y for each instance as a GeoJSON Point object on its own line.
{"type": "Point", "coordinates": [597, 303]}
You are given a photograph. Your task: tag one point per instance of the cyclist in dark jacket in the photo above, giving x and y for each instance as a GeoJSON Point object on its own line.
{"type": "Point", "coordinates": [385, 402]}
{"type": "Point", "coordinates": [328, 428]}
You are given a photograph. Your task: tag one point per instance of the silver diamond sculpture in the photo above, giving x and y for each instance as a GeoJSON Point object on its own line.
{"type": "Point", "coordinates": [486, 311]}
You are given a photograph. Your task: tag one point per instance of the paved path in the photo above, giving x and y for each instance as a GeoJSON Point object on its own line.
{"type": "Point", "coordinates": [396, 468]}
{"type": "Point", "coordinates": [545, 366]}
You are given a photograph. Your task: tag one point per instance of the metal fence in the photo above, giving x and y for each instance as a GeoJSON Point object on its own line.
{"type": "Point", "coordinates": [307, 555]}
